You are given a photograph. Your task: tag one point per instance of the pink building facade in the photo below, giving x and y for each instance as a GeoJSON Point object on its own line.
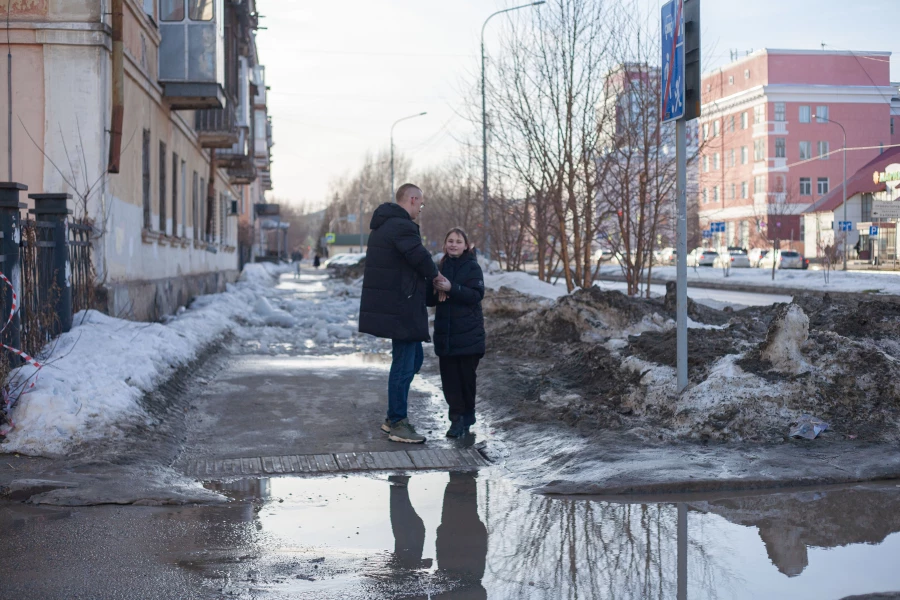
{"type": "Point", "coordinates": [767, 151]}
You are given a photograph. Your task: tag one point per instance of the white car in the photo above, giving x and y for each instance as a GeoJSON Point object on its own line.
{"type": "Point", "coordinates": [700, 257]}
{"type": "Point", "coordinates": [738, 260]}
{"type": "Point", "coordinates": [666, 256]}
{"type": "Point", "coordinates": [784, 259]}
{"type": "Point", "coordinates": [756, 255]}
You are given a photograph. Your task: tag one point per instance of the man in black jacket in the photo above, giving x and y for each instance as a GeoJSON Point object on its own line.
{"type": "Point", "coordinates": [398, 271]}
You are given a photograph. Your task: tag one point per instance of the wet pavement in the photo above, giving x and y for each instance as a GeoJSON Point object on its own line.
{"type": "Point", "coordinates": [461, 535]}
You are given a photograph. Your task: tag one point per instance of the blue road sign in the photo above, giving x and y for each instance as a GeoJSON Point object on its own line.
{"type": "Point", "coordinates": [717, 227]}
{"type": "Point", "coordinates": [873, 230]}
{"type": "Point", "coordinates": [845, 225]}
{"type": "Point", "coordinates": [707, 233]}
{"type": "Point", "coordinates": [672, 28]}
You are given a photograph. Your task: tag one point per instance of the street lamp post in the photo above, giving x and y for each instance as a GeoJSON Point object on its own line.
{"type": "Point", "coordinates": [392, 148]}
{"type": "Point", "coordinates": [844, 183]}
{"type": "Point", "coordinates": [484, 184]}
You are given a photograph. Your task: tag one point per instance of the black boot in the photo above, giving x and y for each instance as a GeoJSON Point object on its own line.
{"type": "Point", "coordinates": [457, 429]}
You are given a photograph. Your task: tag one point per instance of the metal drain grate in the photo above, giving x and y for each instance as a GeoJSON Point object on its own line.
{"type": "Point", "coordinates": [468, 458]}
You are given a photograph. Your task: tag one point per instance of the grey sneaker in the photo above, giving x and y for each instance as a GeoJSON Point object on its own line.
{"type": "Point", "coordinates": [386, 426]}
{"type": "Point", "coordinates": [402, 431]}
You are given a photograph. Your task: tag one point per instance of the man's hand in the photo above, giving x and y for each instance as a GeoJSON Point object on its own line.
{"type": "Point", "coordinates": [442, 296]}
{"type": "Point", "coordinates": [441, 283]}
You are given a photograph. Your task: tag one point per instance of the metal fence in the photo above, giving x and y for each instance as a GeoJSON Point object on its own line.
{"type": "Point", "coordinates": [82, 278]}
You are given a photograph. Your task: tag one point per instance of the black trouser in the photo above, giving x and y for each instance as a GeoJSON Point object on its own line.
{"type": "Point", "coordinates": [458, 380]}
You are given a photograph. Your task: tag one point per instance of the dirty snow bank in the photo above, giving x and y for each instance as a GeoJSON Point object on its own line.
{"type": "Point", "coordinates": [98, 372]}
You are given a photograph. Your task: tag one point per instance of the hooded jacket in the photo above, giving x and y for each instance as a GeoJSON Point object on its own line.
{"type": "Point", "coordinates": [458, 321]}
{"type": "Point", "coordinates": [398, 271]}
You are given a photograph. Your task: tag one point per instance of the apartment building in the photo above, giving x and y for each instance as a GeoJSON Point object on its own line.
{"type": "Point", "coordinates": [145, 111]}
{"type": "Point", "coordinates": [770, 140]}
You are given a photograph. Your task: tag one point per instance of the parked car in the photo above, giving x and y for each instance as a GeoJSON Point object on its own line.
{"type": "Point", "coordinates": [784, 259]}
{"type": "Point", "coordinates": [738, 260]}
{"type": "Point", "coordinates": [666, 256]}
{"type": "Point", "coordinates": [602, 254]}
{"type": "Point", "coordinates": [702, 257]}
{"type": "Point", "coordinates": [756, 255]}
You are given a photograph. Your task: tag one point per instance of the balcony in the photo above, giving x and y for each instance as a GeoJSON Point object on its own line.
{"type": "Point", "coordinates": [770, 128]}
{"type": "Point", "coordinates": [217, 127]}
{"type": "Point", "coordinates": [192, 54]}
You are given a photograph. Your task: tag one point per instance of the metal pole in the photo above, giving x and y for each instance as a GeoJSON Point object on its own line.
{"type": "Point", "coordinates": [682, 550]}
{"type": "Point", "coordinates": [681, 332]}
{"type": "Point", "coordinates": [484, 164]}
{"type": "Point", "coordinates": [844, 185]}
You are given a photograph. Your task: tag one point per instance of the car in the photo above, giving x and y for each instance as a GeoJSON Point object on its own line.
{"type": "Point", "coordinates": [666, 256]}
{"type": "Point", "coordinates": [790, 259]}
{"type": "Point", "coordinates": [602, 254]}
{"type": "Point", "coordinates": [756, 255]}
{"type": "Point", "coordinates": [738, 260]}
{"type": "Point", "coordinates": [702, 257]}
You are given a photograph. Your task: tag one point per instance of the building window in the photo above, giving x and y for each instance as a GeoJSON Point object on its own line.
{"type": "Point", "coordinates": [745, 234]}
{"type": "Point", "coordinates": [823, 150]}
{"type": "Point", "coordinates": [171, 10]}
{"type": "Point", "coordinates": [731, 124]}
{"type": "Point", "coordinates": [759, 150]}
{"type": "Point", "coordinates": [174, 195]}
{"type": "Point", "coordinates": [745, 155]}
{"type": "Point", "coordinates": [743, 189]}
{"type": "Point", "coordinates": [706, 164]}
{"type": "Point", "coordinates": [716, 128]}
{"type": "Point", "coordinates": [705, 196]}
{"type": "Point", "coordinates": [759, 184]}
{"type": "Point", "coordinates": [201, 226]}
{"type": "Point", "coordinates": [163, 190]}
{"type": "Point", "coordinates": [866, 207]}
{"type": "Point", "coordinates": [780, 151]}
{"type": "Point", "coordinates": [805, 186]}
{"type": "Point", "coordinates": [779, 111]}
{"type": "Point", "coordinates": [731, 158]}
{"type": "Point", "coordinates": [715, 193]}
{"type": "Point", "coordinates": [195, 205]}
{"type": "Point", "coordinates": [805, 150]}
{"type": "Point", "coordinates": [200, 10]}
{"type": "Point", "coordinates": [821, 114]}
{"type": "Point", "coordinates": [746, 73]}
{"type": "Point", "coordinates": [706, 131]}
{"type": "Point", "coordinates": [731, 80]}
{"type": "Point", "coordinates": [744, 120]}
{"type": "Point", "coordinates": [733, 191]}
{"type": "Point", "coordinates": [145, 180]}
{"type": "Point", "coordinates": [183, 199]}
{"type": "Point", "coordinates": [892, 125]}
{"type": "Point", "coordinates": [822, 185]}
{"type": "Point", "coordinates": [759, 114]}
{"type": "Point", "coordinates": [716, 161]}
{"type": "Point", "coordinates": [804, 114]}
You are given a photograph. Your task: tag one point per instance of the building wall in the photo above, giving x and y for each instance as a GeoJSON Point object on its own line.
{"type": "Point", "coordinates": [793, 79]}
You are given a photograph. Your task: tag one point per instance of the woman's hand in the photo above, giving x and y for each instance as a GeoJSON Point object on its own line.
{"type": "Point", "coordinates": [442, 296]}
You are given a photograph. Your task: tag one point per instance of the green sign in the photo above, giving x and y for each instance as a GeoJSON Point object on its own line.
{"type": "Point", "coordinates": [329, 238]}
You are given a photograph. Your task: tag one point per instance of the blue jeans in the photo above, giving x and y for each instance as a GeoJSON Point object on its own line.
{"type": "Point", "coordinates": [406, 362]}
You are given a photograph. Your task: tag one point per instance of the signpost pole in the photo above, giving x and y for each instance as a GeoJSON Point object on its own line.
{"type": "Point", "coordinates": [681, 348]}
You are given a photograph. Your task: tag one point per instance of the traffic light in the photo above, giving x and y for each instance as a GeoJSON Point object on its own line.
{"type": "Point", "coordinates": [692, 94]}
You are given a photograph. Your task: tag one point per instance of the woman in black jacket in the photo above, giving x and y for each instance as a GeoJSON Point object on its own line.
{"type": "Point", "coordinates": [458, 328]}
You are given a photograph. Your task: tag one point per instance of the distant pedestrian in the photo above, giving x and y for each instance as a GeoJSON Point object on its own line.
{"type": "Point", "coordinates": [317, 260]}
{"type": "Point", "coordinates": [856, 247]}
{"type": "Point", "coordinates": [397, 273]}
{"type": "Point", "coordinates": [458, 328]}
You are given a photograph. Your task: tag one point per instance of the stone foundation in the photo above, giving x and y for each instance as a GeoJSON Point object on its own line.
{"type": "Point", "coordinates": [153, 300]}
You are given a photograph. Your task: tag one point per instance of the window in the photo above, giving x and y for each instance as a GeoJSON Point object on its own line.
{"type": "Point", "coordinates": [195, 205]}
{"type": "Point", "coordinates": [731, 124]}
{"type": "Point", "coordinates": [716, 194]}
{"type": "Point", "coordinates": [744, 120]}
{"type": "Point", "coordinates": [706, 131]}
{"type": "Point", "coordinates": [744, 155]}
{"type": "Point", "coordinates": [704, 195]}
{"type": "Point", "coordinates": [743, 189]}
{"type": "Point", "coordinates": [716, 161]}
{"type": "Point", "coordinates": [145, 173]}
{"type": "Point", "coordinates": [805, 186]}
{"type": "Point", "coordinates": [162, 187]}
{"type": "Point", "coordinates": [733, 191]}
{"type": "Point", "coordinates": [759, 114]}
{"type": "Point", "coordinates": [716, 128]}
{"type": "Point", "coordinates": [821, 114]}
{"type": "Point", "coordinates": [174, 195]}
{"type": "Point", "coordinates": [867, 207]}
{"type": "Point", "coordinates": [779, 111]}
{"type": "Point", "coordinates": [823, 150]}
{"type": "Point", "coordinates": [706, 164]}
{"type": "Point", "coordinates": [171, 10]}
{"type": "Point", "coordinates": [892, 125]}
{"type": "Point", "coordinates": [780, 151]}
{"type": "Point", "coordinates": [731, 80]}
{"type": "Point", "coordinates": [183, 199]}
{"type": "Point", "coordinates": [805, 150]}
{"type": "Point", "coordinates": [759, 150]}
{"type": "Point", "coordinates": [201, 226]}
{"type": "Point", "coordinates": [746, 73]}
{"type": "Point", "coordinates": [759, 184]}
{"type": "Point", "coordinates": [200, 10]}
{"type": "Point", "coordinates": [731, 158]}
{"type": "Point", "coordinates": [822, 185]}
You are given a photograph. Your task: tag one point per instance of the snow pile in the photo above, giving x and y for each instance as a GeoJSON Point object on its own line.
{"type": "Point", "coordinates": [273, 316]}
{"type": "Point", "coordinates": [787, 334]}
{"type": "Point", "coordinates": [524, 283]}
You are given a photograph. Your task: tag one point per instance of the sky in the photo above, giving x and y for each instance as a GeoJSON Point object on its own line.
{"type": "Point", "coordinates": [341, 72]}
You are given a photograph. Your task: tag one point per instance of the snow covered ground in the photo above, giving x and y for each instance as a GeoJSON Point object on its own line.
{"type": "Point", "coordinates": [96, 374]}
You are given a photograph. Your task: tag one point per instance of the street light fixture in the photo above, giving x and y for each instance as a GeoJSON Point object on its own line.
{"type": "Point", "coordinates": [844, 183]}
{"type": "Point", "coordinates": [392, 148]}
{"type": "Point", "coordinates": [484, 185]}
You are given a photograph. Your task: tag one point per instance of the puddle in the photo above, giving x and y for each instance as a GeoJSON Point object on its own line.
{"type": "Point", "coordinates": [473, 536]}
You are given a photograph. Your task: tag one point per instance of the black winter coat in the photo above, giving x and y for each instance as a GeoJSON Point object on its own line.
{"type": "Point", "coordinates": [398, 271]}
{"type": "Point", "coordinates": [458, 321]}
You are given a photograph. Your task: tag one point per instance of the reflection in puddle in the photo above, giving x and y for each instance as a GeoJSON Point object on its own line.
{"type": "Point", "coordinates": [467, 535]}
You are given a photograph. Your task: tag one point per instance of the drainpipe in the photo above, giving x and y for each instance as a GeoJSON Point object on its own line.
{"type": "Point", "coordinates": [210, 194]}
{"type": "Point", "coordinates": [118, 87]}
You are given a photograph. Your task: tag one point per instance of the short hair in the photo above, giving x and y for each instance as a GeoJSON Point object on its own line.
{"type": "Point", "coordinates": [401, 191]}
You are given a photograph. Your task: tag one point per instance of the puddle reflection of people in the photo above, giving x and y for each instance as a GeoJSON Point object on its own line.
{"type": "Point", "coordinates": [407, 526]}
{"type": "Point", "coordinates": [462, 540]}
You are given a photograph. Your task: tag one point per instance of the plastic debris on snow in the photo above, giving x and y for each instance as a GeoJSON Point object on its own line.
{"type": "Point", "coordinates": [808, 427]}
